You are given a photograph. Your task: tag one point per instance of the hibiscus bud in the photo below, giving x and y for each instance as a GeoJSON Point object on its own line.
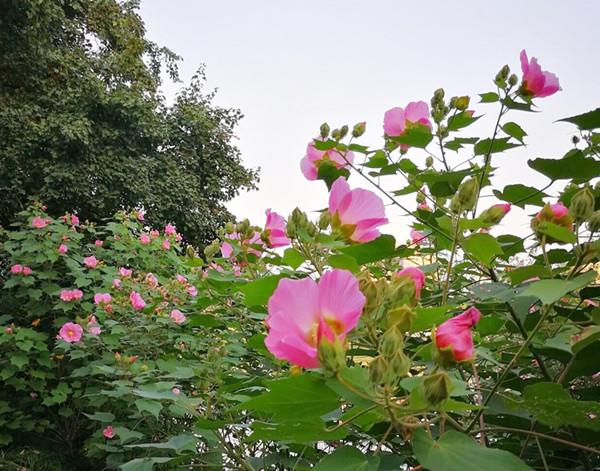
{"type": "Point", "coordinates": [379, 371]}
{"type": "Point", "coordinates": [575, 141]}
{"type": "Point", "coordinates": [343, 131]}
{"type": "Point", "coordinates": [298, 219]}
{"type": "Point", "coordinates": [324, 130]}
{"type": "Point", "coordinates": [462, 103]}
{"type": "Point", "coordinates": [466, 196]}
{"type": "Point", "coordinates": [391, 342]}
{"type": "Point", "coordinates": [399, 364]}
{"type": "Point", "coordinates": [501, 76]}
{"type": "Point", "coordinates": [401, 317]}
{"type": "Point", "coordinates": [373, 291]}
{"type": "Point", "coordinates": [311, 229]}
{"type": "Point", "coordinates": [589, 252]}
{"type": "Point", "coordinates": [495, 213]}
{"type": "Point", "coordinates": [324, 220]}
{"type": "Point", "coordinates": [336, 134]}
{"type": "Point", "coordinates": [229, 228]}
{"type": "Point", "coordinates": [212, 249]}
{"type": "Point", "coordinates": [420, 197]}
{"type": "Point", "coordinates": [331, 355]}
{"type": "Point", "coordinates": [438, 96]}
{"type": "Point", "coordinates": [243, 226]}
{"type": "Point", "coordinates": [290, 229]}
{"type": "Point", "coordinates": [437, 387]}
{"type": "Point", "coordinates": [594, 222]}
{"type": "Point", "coordinates": [513, 80]}
{"type": "Point", "coordinates": [429, 161]}
{"type": "Point", "coordinates": [582, 204]}
{"type": "Point", "coordinates": [359, 129]}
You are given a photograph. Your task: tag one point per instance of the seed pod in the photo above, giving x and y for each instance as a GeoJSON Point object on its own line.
{"type": "Point", "coordinates": [391, 342]}
{"type": "Point", "coordinates": [399, 364]}
{"type": "Point", "coordinates": [359, 129]}
{"type": "Point", "coordinates": [594, 222]}
{"type": "Point", "coordinates": [324, 130]}
{"type": "Point", "coordinates": [331, 355]}
{"type": "Point", "coordinates": [437, 387]}
{"type": "Point", "coordinates": [378, 371]}
{"type": "Point", "coordinates": [582, 204]}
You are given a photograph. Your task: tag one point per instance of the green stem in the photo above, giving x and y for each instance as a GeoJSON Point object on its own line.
{"type": "Point", "coordinates": [451, 260]}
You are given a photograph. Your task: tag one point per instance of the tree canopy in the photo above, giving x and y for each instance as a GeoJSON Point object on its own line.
{"type": "Point", "coordinates": [84, 127]}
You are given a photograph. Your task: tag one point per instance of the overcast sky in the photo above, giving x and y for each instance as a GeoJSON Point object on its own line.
{"type": "Point", "coordinates": [290, 65]}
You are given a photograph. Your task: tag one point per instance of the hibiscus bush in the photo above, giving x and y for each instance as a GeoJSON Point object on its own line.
{"type": "Point", "coordinates": [317, 341]}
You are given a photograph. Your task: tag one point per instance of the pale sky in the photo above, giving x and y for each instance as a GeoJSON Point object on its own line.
{"type": "Point", "coordinates": [289, 66]}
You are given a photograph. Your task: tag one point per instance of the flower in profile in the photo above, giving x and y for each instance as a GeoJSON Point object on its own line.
{"type": "Point", "coordinates": [495, 213]}
{"type": "Point", "coordinates": [139, 214]}
{"type": "Point", "coordinates": [355, 213]}
{"type": "Point", "coordinates": [170, 229]}
{"type": "Point", "coordinates": [417, 237]}
{"type": "Point", "coordinates": [314, 158]}
{"type": "Point", "coordinates": [16, 269]}
{"type": "Point", "coordinates": [98, 243]}
{"type": "Point", "coordinates": [416, 275]}
{"type": "Point", "coordinates": [90, 262]}
{"type": "Point", "coordinates": [125, 272]}
{"type": "Point", "coordinates": [275, 230]}
{"type": "Point", "coordinates": [454, 335]}
{"type": "Point", "coordinates": [537, 82]}
{"type": "Point", "coordinates": [303, 313]}
{"type": "Point", "coordinates": [557, 214]}
{"type": "Point", "coordinates": [137, 302]}
{"type": "Point", "coordinates": [63, 249]}
{"type": "Point", "coordinates": [39, 223]}
{"type": "Point", "coordinates": [27, 270]}
{"type": "Point", "coordinates": [116, 282]}
{"type": "Point", "coordinates": [144, 239]}
{"type": "Point", "coordinates": [397, 121]}
{"type": "Point", "coordinates": [108, 432]}
{"type": "Point", "coordinates": [93, 327]}
{"type": "Point", "coordinates": [70, 332]}
{"type": "Point", "coordinates": [177, 316]}
{"type": "Point", "coordinates": [424, 206]}
{"type": "Point", "coordinates": [102, 298]}
{"type": "Point", "coordinates": [180, 279]}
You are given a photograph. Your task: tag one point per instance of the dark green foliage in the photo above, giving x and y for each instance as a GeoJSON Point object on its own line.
{"type": "Point", "coordinates": [84, 127]}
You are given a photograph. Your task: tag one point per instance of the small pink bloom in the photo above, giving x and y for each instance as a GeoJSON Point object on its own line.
{"type": "Point", "coordinates": [27, 270]}
{"type": "Point", "coordinates": [314, 158]}
{"type": "Point", "coordinates": [505, 207]}
{"type": "Point", "coordinates": [237, 270]}
{"type": "Point", "coordinates": [537, 82]}
{"type": "Point", "coordinates": [76, 294]}
{"type": "Point", "coordinates": [102, 298]}
{"type": "Point", "coordinates": [116, 283]}
{"type": "Point", "coordinates": [226, 249]}
{"type": "Point", "coordinates": [39, 223]}
{"type": "Point", "coordinates": [170, 229]}
{"type": "Point", "coordinates": [151, 279]}
{"type": "Point", "coordinates": [63, 249]}
{"type": "Point", "coordinates": [176, 391]}
{"type": "Point", "coordinates": [356, 213]}
{"type": "Point", "coordinates": [16, 269]}
{"type": "Point", "coordinates": [154, 233]}
{"type": "Point", "coordinates": [178, 237]}
{"type": "Point", "coordinates": [70, 332]}
{"type": "Point", "coordinates": [416, 275]}
{"type": "Point", "coordinates": [181, 279]}
{"type": "Point", "coordinates": [139, 215]}
{"type": "Point", "coordinates": [137, 302]}
{"type": "Point", "coordinates": [455, 334]}
{"type": "Point", "coordinates": [275, 230]}
{"type": "Point", "coordinates": [303, 312]}
{"type": "Point", "coordinates": [417, 237]}
{"type": "Point", "coordinates": [177, 316]}
{"type": "Point", "coordinates": [74, 220]}
{"type": "Point", "coordinates": [90, 262]}
{"type": "Point", "coordinates": [144, 238]}
{"type": "Point", "coordinates": [216, 267]}
{"type": "Point", "coordinates": [8, 330]}
{"type": "Point", "coordinates": [125, 272]}
{"type": "Point", "coordinates": [93, 327]}
{"type": "Point", "coordinates": [192, 291]}
{"type": "Point", "coordinates": [166, 245]}
{"type": "Point", "coordinates": [108, 432]}
{"type": "Point", "coordinates": [590, 302]}
{"type": "Point", "coordinates": [98, 243]}
{"type": "Point", "coordinates": [397, 120]}
{"type": "Point", "coordinates": [424, 206]}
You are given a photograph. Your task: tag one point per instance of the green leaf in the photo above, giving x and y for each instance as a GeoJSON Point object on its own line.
{"type": "Point", "coordinates": [305, 431]}
{"type": "Point", "coordinates": [382, 247]}
{"type": "Point", "coordinates": [143, 464]}
{"type": "Point", "coordinates": [486, 146]}
{"type": "Point", "coordinates": [482, 247]}
{"type": "Point", "coordinates": [586, 121]}
{"type": "Point", "coordinates": [455, 451]}
{"type": "Point", "coordinates": [145, 405]}
{"type": "Point", "coordinates": [458, 142]}
{"type": "Point", "coordinates": [553, 406]}
{"type": "Point", "coordinates": [348, 458]}
{"type": "Point", "coordinates": [297, 397]}
{"type": "Point", "coordinates": [443, 183]}
{"type": "Point", "coordinates": [292, 257]}
{"type": "Point", "coordinates": [258, 292]}
{"type": "Point", "coordinates": [344, 262]}
{"type": "Point", "coordinates": [461, 120]}
{"type": "Point", "coordinates": [416, 136]}
{"type": "Point", "coordinates": [514, 130]}
{"type": "Point", "coordinates": [489, 97]}
{"type": "Point", "coordinates": [518, 275]}
{"type": "Point", "coordinates": [377, 160]}
{"type": "Point", "coordinates": [548, 291]}
{"type": "Point", "coordinates": [556, 232]}
{"type": "Point", "coordinates": [324, 145]}
{"type": "Point", "coordinates": [573, 165]}
{"type": "Point", "coordinates": [178, 443]}
{"type": "Point", "coordinates": [101, 416]}
{"type": "Point", "coordinates": [520, 195]}
{"type": "Point", "coordinates": [428, 317]}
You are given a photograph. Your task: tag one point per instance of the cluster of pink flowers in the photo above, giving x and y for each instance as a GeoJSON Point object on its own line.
{"type": "Point", "coordinates": [303, 312]}
{"type": "Point", "coordinates": [68, 295]}
{"type": "Point", "coordinates": [18, 269]}
{"type": "Point", "coordinates": [314, 158]}
{"type": "Point", "coordinates": [356, 213]}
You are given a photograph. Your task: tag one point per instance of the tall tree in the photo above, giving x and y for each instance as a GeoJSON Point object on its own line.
{"type": "Point", "coordinates": [84, 127]}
